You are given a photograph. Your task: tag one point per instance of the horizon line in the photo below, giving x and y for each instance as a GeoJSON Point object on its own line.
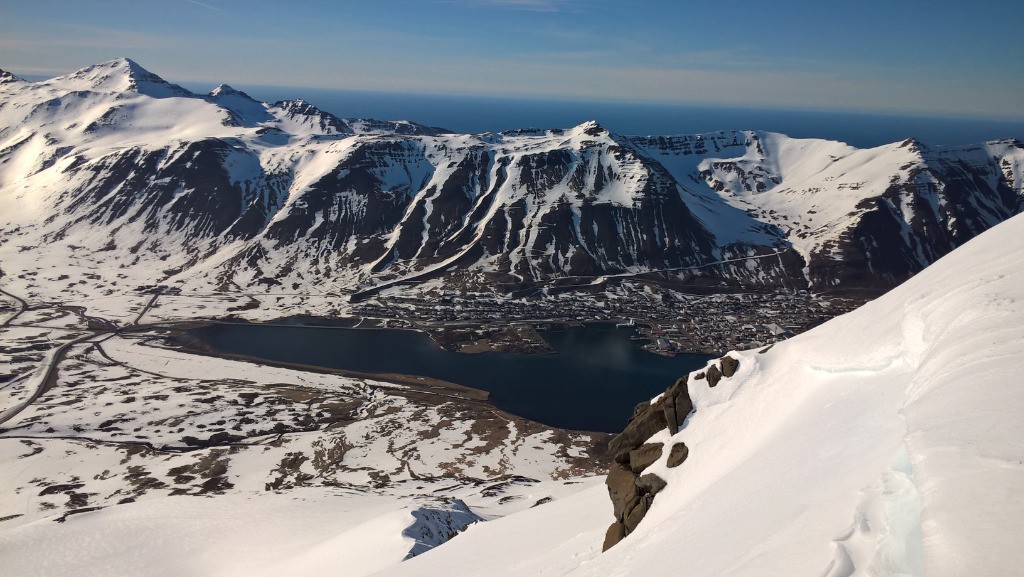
{"type": "Point", "coordinates": [199, 86]}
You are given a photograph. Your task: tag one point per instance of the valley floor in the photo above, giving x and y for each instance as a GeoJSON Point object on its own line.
{"type": "Point", "coordinates": [114, 443]}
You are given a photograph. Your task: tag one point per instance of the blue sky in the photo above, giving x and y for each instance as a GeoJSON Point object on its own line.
{"type": "Point", "coordinates": [935, 57]}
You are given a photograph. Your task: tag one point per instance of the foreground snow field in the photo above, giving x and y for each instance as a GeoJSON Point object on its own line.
{"type": "Point", "coordinates": [888, 441]}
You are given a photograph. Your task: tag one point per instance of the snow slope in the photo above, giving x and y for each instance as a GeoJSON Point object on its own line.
{"type": "Point", "coordinates": [885, 442]}
{"type": "Point", "coordinates": [307, 532]}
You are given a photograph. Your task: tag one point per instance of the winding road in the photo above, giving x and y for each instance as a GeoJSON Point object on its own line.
{"type": "Point", "coordinates": [44, 380]}
{"type": "Point", "coordinates": [22, 305]}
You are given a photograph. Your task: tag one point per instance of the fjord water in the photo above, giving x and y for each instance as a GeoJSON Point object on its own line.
{"type": "Point", "coordinates": [592, 383]}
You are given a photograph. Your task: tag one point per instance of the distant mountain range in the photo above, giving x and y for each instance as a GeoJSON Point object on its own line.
{"type": "Point", "coordinates": [221, 190]}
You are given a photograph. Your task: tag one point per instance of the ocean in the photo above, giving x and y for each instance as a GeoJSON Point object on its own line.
{"type": "Point", "coordinates": [466, 114]}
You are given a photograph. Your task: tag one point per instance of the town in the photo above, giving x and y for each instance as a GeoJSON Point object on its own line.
{"type": "Point", "coordinates": [669, 321]}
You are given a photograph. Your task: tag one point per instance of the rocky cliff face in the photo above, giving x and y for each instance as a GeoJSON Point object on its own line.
{"type": "Point", "coordinates": [219, 189]}
{"type": "Point", "coordinates": [632, 491]}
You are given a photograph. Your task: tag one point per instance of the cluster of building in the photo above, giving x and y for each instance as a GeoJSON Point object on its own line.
{"type": "Point", "coordinates": [717, 323]}
{"type": "Point", "coordinates": [670, 320]}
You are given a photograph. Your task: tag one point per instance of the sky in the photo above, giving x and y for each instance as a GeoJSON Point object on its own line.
{"type": "Point", "coordinates": [937, 57]}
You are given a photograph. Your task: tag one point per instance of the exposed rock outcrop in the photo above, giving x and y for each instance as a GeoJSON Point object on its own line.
{"type": "Point", "coordinates": [632, 492]}
{"type": "Point", "coordinates": [644, 456]}
{"type": "Point", "coordinates": [638, 430]}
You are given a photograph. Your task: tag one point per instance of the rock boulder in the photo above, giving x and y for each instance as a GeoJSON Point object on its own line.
{"type": "Point", "coordinates": [651, 483]}
{"type": "Point", "coordinates": [729, 366]}
{"type": "Point", "coordinates": [622, 488]}
{"type": "Point", "coordinates": [616, 532]}
{"type": "Point", "coordinates": [677, 405]}
{"type": "Point", "coordinates": [642, 457]}
{"type": "Point", "coordinates": [714, 375]}
{"type": "Point", "coordinates": [637, 513]}
{"type": "Point", "coordinates": [677, 454]}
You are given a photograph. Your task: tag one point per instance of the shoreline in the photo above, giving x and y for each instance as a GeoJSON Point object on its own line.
{"type": "Point", "coordinates": [412, 385]}
{"type": "Point", "coordinates": [423, 384]}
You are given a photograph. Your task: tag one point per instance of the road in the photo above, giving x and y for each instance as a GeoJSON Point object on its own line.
{"type": "Point", "coordinates": [43, 383]}
{"type": "Point", "coordinates": [44, 380]}
{"type": "Point", "coordinates": [146, 308]}
{"type": "Point", "coordinates": [22, 305]}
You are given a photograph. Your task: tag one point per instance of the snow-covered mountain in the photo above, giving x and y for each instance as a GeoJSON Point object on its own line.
{"type": "Point", "coordinates": [215, 190]}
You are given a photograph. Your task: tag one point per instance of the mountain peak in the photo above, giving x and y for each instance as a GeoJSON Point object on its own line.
{"type": "Point", "coordinates": [224, 89]}
{"type": "Point", "coordinates": [223, 92]}
{"type": "Point", "coordinates": [913, 144]}
{"type": "Point", "coordinates": [304, 113]}
{"type": "Point", "coordinates": [122, 75]}
{"type": "Point", "coordinates": [590, 128]}
{"type": "Point", "coordinates": [246, 110]}
{"type": "Point", "coordinates": [297, 105]}
{"type": "Point", "coordinates": [8, 78]}
{"type": "Point", "coordinates": [128, 63]}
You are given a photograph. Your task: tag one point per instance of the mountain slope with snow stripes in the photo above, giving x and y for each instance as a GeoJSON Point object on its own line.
{"type": "Point", "coordinates": [230, 190]}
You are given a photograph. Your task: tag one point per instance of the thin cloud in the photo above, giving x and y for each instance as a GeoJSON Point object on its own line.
{"type": "Point", "coordinates": [524, 5]}
{"type": "Point", "coordinates": [205, 5]}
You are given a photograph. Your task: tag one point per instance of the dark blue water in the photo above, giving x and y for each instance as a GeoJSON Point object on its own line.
{"type": "Point", "coordinates": [472, 114]}
{"type": "Point", "coordinates": [598, 375]}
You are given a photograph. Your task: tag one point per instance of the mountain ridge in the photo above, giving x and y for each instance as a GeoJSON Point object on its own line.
{"type": "Point", "coordinates": [240, 192]}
